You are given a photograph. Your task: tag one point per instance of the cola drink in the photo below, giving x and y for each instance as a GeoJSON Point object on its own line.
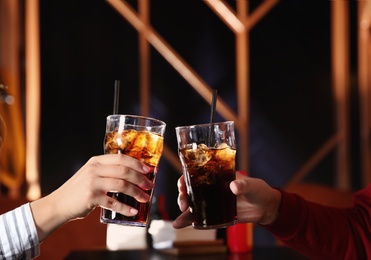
{"type": "Point", "coordinates": [208, 169]}
{"type": "Point", "coordinates": [141, 138]}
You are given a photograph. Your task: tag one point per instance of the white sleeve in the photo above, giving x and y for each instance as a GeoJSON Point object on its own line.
{"type": "Point", "coordinates": [18, 234]}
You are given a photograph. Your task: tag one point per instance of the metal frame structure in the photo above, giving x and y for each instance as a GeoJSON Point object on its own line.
{"type": "Point", "coordinates": [364, 81]}
{"type": "Point", "coordinates": [341, 94]}
{"type": "Point", "coordinates": [240, 22]}
{"type": "Point", "coordinates": [33, 85]}
{"type": "Point", "coordinates": [21, 153]}
{"type": "Point", "coordinates": [12, 157]}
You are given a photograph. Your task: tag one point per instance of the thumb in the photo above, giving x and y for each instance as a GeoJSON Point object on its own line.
{"type": "Point", "coordinates": [239, 186]}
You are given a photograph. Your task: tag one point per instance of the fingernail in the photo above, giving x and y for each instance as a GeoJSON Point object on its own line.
{"type": "Point", "coordinates": [133, 211]}
{"type": "Point", "coordinates": [146, 168]}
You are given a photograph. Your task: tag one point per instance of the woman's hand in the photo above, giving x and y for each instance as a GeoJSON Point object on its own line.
{"type": "Point", "coordinates": [88, 188]}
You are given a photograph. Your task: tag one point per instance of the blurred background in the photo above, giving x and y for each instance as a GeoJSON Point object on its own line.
{"type": "Point", "coordinates": [289, 73]}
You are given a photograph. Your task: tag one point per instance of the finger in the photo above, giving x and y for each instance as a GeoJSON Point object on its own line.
{"type": "Point", "coordinates": [115, 205]}
{"type": "Point", "coordinates": [239, 186]}
{"type": "Point", "coordinates": [234, 187]}
{"type": "Point", "coordinates": [133, 176]}
{"type": "Point", "coordinates": [120, 172]}
{"type": "Point", "coordinates": [184, 220]}
{"type": "Point", "coordinates": [182, 188]}
{"type": "Point", "coordinates": [120, 159]}
{"type": "Point", "coordinates": [183, 201]}
{"type": "Point", "coordinates": [124, 187]}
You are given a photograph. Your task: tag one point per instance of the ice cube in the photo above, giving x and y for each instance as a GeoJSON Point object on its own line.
{"type": "Point", "coordinates": [201, 155]}
{"type": "Point", "coordinates": [222, 146]}
{"type": "Point", "coordinates": [126, 138]}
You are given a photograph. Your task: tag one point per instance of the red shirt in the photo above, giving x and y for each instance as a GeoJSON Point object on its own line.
{"type": "Point", "coordinates": [323, 232]}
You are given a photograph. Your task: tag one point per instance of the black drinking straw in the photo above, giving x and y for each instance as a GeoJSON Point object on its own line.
{"type": "Point", "coordinates": [116, 97]}
{"type": "Point", "coordinates": [212, 115]}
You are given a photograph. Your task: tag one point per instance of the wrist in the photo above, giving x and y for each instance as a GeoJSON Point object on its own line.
{"type": "Point", "coordinates": [273, 208]}
{"type": "Point", "coordinates": [46, 216]}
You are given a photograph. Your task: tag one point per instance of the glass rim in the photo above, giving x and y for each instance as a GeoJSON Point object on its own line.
{"type": "Point", "coordinates": [160, 122]}
{"type": "Point", "coordinates": [205, 124]}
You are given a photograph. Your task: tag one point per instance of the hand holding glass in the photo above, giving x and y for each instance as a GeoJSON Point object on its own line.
{"type": "Point", "coordinates": [207, 153]}
{"type": "Point", "coordinates": [142, 138]}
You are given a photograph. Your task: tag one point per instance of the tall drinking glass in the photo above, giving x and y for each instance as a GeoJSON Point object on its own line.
{"type": "Point", "coordinates": [142, 138]}
{"type": "Point", "coordinates": [207, 153]}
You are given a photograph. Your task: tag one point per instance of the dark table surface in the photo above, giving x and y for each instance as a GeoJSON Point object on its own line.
{"type": "Point", "coordinates": [275, 253]}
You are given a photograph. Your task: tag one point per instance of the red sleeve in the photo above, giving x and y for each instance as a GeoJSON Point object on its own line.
{"type": "Point", "coordinates": [322, 232]}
